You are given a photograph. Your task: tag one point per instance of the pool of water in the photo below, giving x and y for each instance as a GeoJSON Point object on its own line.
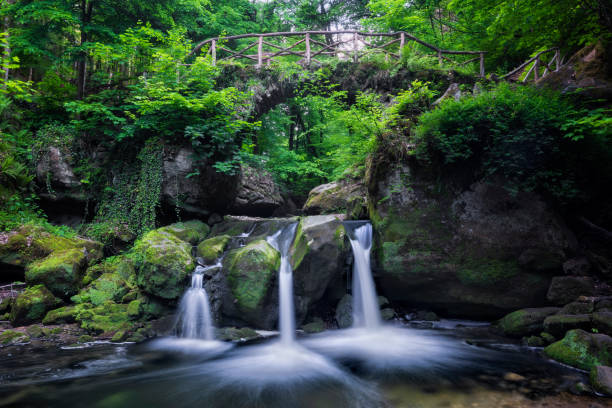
{"type": "Point", "coordinates": [391, 367]}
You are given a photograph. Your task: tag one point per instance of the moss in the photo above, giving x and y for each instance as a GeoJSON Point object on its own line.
{"type": "Point", "coordinates": [193, 231]}
{"type": "Point", "coordinates": [121, 265]}
{"type": "Point", "coordinates": [213, 248]}
{"type": "Point", "coordinates": [163, 263]}
{"type": "Point", "coordinates": [251, 273]}
{"type": "Point", "coordinates": [30, 243]}
{"type": "Point", "coordinates": [235, 334]}
{"type": "Point", "coordinates": [316, 326]}
{"type": "Point", "coordinates": [109, 317]}
{"type": "Point", "coordinates": [10, 337]}
{"type": "Point", "coordinates": [35, 331]}
{"type": "Point", "coordinates": [119, 336]}
{"type": "Point", "coordinates": [60, 272]}
{"type": "Point", "coordinates": [392, 260]}
{"type": "Point", "coordinates": [85, 338]}
{"type": "Point", "coordinates": [582, 350]}
{"type": "Point", "coordinates": [32, 305]}
{"type": "Point", "coordinates": [133, 309]}
{"type": "Point", "coordinates": [299, 247]}
{"type": "Point", "coordinates": [109, 286]}
{"type": "Point", "coordinates": [486, 272]}
{"type": "Point", "coordinates": [62, 315]}
{"type": "Point", "coordinates": [524, 322]}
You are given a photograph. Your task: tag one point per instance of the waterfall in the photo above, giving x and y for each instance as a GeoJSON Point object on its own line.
{"type": "Point", "coordinates": [365, 302]}
{"type": "Point", "coordinates": [194, 318]}
{"type": "Point", "coordinates": [281, 241]}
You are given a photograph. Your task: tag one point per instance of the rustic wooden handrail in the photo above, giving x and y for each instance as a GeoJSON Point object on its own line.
{"type": "Point", "coordinates": [308, 54]}
{"type": "Point", "coordinates": [535, 68]}
{"type": "Point", "coordinates": [12, 290]}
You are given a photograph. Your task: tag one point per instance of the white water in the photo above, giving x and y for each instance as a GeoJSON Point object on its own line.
{"type": "Point", "coordinates": [194, 318]}
{"type": "Point", "coordinates": [281, 241]}
{"type": "Point", "coordinates": [365, 302]}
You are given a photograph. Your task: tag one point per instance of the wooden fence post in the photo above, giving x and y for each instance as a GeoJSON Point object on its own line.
{"type": "Point", "coordinates": [355, 56]}
{"type": "Point", "coordinates": [213, 52]}
{"type": "Point", "coordinates": [557, 60]}
{"type": "Point", "coordinates": [536, 70]}
{"type": "Point", "coordinates": [308, 49]}
{"type": "Point", "coordinates": [260, 52]}
{"type": "Point", "coordinates": [482, 67]}
{"type": "Point", "coordinates": [402, 43]}
{"type": "Point", "coordinates": [439, 57]}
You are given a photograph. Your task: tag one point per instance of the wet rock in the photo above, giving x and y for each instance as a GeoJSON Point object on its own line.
{"type": "Point", "coordinates": [344, 312]}
{"type": "Point", "coordinates": [514, 377]}
{"type": "Point", "coordinates": [251, 279]}
{"type": "Point", "coordinates": [235, 334]}
{"type": "Point", "coordinates": [539, 259]}
{"type": "Point", "coordinates": [35, 331]}
{"type": "Point", "coordinates": [525, 321]}
{"type": "Point", "coordinates": [426, 315]}
{"type": "Point", "coordinates": [61, 315]}
{"type": "Point", "coordinates": [193, 231]}
{"type": "Point", "coordinates": [601, 379]}
{"type": "Point", "coordinates": [577, 267]}
{"type": "Point", "coordinates": [387, 313]}
{"type": "Point", "coordinates": [109, 286]}
{"type": "Point", "coordinates": [61, 272]}
{"type": "Point", "coordinates": [318, 256]}
{"type": "Point", "coordinates": [558, 324]}
{"type": "Point", "coordinates": [585, 306]}
{"type": "Point", "coordinates": [580, 388]}
{"type": "Point", "coordinates": [566, 289]}
{"type": "Point", "coordinates": [163, 263]}
{"type": "Point", "coordinates": [602, 321]}
{"type": "Point", "coordinates": [32, 305]}
{"type": "Point", "coordinates": [212, 249]}
{"type": "Point", "coordinates": [346, 196]}
{"type": "Point", "coordinates": [316, 326]}
{"type": "Point", "coordinates": [547, 338]}
{"type": "Point", "coordinates": [533, 341]}
{"type": "Point", "coordinates": [12, 337]}
{"type": "Point", "coordinates": [582, 350]}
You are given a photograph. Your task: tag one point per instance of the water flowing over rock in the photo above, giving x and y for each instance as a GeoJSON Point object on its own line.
{"type": "Point", "coordinates": [194, 319]}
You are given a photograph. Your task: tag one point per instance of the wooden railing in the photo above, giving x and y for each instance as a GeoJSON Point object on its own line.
{"type": "Point", "coordinates": [535, 64]}
{"type": "Point", "coordinates": [347, 44]}
{"type": "Point", "coordinates": [11, 291]}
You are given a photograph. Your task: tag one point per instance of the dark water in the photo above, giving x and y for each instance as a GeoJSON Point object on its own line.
{"type": "Point", "coordinates": [392, 367]}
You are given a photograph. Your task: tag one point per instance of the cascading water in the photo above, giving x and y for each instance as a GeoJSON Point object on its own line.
{"type": "Point", "coordinates": [365, 302]}
{"type": "Point", "coordinates": [194, 318]}
{"type": "Point", "coordinates": [281, 241]}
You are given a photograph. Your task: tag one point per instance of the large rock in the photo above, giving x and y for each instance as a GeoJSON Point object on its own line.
{"type": "Point", "coordinates": [54, 172]}
{"type": "Point", "coordinates": [558, 324]}
{"type": "Point", "coordinates": [565, 289]}
{"type": "Point", "coordinates": [601, 379]}
{"type": "Point", "coordinates": [251, 275]}
{"type": "Point", "coordinates": [348, 196]}
{"type": "Point", "coordinates": [163, 263]}
{"type": "Point", "coordinates": [525, 322]}
{"type": "Point", "coordinates": [256, 194]}
{"type": "Point", "coordinates": [200, 189]}
{"type": "Point", "coordinates": [193, 231]}
{"type": "Point", "coordinates": [476, 253]}
{"type": "Point", "coordinates": [582, 350]}
{"type": "Point", "coordinates": [318, 255]}
{"type": "Point", "coordinates": [32, 305]}
{"type": "Point", "coordinates": [30, 243]}
{"type": "Point", "coordinates": [212, 249]}
{"type": "Point", "coordinates": [61, 272]}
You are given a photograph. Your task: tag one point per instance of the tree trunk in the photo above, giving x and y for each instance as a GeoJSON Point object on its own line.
{"type": "Point", "coordinates": [86, 13]}
{"type": "Point", "coordinates": [7, 48]}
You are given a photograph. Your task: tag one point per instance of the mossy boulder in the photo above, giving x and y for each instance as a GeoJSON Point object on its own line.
{"type": "Point", "coordinates": [114, 235]}
{"type": "Point", "coordinates": [61, 271]}
{"type": "Point", "coordinates": [212, 248]}
{"type": "Point", "coordinates": [347, 196]}
{"type": "Point", "coordinates": [163, 263]}
{"type": "Point", "coordinates": [32, 305]}
{"type": "Point", "coordinates": [582, 350]}
{"type": "Point", "coordinates": [456, 250]}
{"type": "Point", "coordinates": [236, 334]}
{"type": "Point", "coordinates": [318, 256]}
{"type": "Point", "coordinates": [61, 315]}
{"type": "Point", "coordinates": [108, 318]}
{"type": "Point", "coordinates": [251, 275]}
{"type": "Point", "coordinates": [566, 289]}
{"type": "Point", "coordinates": [109, 286]}
{"type": "Point", "coordinates": [316, 326]}
{"type": "Point", "coordinates": [193, 231]}
{"type": "Point", "coordinates": [121, 265]}
{"type": "Point", "coordinates": [30, 243]}
{"type": "Point", "coordinates": [11, 337]}
{"type": "Point", "coordinates": [525, 322]}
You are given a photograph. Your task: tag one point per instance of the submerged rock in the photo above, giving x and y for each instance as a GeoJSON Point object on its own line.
{"type": "Point", "coordinates": [163, 263]}
{"type": "Point", "coordinates": [525, 321]}
{"type": "Point", "coordinates": [582, 350]}
{"type": "Point", "coordinates": [32, 305]}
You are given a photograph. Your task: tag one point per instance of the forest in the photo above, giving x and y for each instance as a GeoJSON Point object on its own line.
{"type": "Point", "coordinates": [145, 145]}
